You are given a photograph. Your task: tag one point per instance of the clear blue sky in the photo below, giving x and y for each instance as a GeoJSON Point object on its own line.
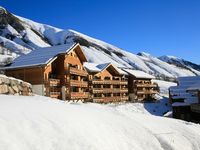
{"type": "Point", "coordinates": [158, 27]}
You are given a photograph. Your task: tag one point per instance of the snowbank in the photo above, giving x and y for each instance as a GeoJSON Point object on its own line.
{"type": "Point", "coordinates": [40, 123]}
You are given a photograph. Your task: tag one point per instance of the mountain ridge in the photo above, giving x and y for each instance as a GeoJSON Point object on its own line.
{"type": "Point", "coordinates": [19, 36]}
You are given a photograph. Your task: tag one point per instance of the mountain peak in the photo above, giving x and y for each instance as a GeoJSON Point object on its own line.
{"type": "Point", "coordinates": [6, 18]}
{"type": "Point", "coordinates": [143, 54]}
{"type": "Point", "coordinates": [168, 57]}
{"type": "Point", "coordinates": [2, 10]}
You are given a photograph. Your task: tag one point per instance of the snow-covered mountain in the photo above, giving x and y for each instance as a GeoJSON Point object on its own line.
{"type": "Point", "coordinates": [180, 62]}
{"type": "Point", "coordinates": [19, 36]}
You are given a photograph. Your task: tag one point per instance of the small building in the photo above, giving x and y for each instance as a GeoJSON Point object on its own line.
{"type": "Point", "coordinates": [55, 71]}
{"type": "Point", "coordinates": [106, 83]}
{"type": "Point", "coordinates": [140, 85]}
{"type": "Point", "coordinates": [179, 93]}
{"type": "Point", "coordinates": [195, 107]}
{"type": "Point", "coordinates": [185, 98]}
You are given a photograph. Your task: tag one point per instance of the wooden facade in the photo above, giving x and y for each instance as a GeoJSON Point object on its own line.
{"type": "Point", "coordinates": [141, 89]}
{"type": "Point", "coordinates": [63, 78]}
{"type": "Point", "coordinates": [108, 85]}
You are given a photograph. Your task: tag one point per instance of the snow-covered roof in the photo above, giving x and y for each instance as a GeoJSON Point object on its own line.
{"type": "Point", "coordinates": [139, 74]}
{"type": "Point", "coordinates": [177, 104]}
{"type": "Point", "coordinates": [93, 67]}
{"type": "Point", "coordinates": [122, 72]}
{"type": "Point", "coordinates": [41, 56]}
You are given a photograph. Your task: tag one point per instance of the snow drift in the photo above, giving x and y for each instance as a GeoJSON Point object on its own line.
{"type": "Point", "coordinates": [42, 123]}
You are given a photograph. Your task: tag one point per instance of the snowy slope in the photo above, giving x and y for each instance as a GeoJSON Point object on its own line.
{"type": "Point", "coordinates": [181, 63]}
{"type": "Point", "coordinates": [164, 86]}
{"type": "Point", "coordinates": [20, 35]}
{"type": "Point", "coordinates": [35, 123]}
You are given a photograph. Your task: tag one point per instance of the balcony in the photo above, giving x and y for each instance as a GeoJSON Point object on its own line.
{"type": "Point", "coordinates": [53, 82]}
{"type": "Point", "coordinates": [109, 90]}
{"type": "Point", "coordinates": [102, 90]}
{"type": "Point", "coordinates": [54, 95]}
{"type": "Point", "coordinates": [109, 99]}
{"type": "Point", "coordinates": [123, 82]}
{"type": "Point", "coordinates": [147, 92]}
{"type": "Point", "coordinates": [76, 71]}
{"type": "Point", "coordinates": [114, 82]}
{"type": "Point", "coordinates": [146, 85]}
{"type": "Point", "coordinates": [79, 95]}
{"type": "Point", "coordinates": [124, 91]}
{"type": "Point", "coordinates": [77, 83]}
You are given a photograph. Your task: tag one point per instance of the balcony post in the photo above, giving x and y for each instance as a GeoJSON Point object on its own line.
{"type": "Point", "coordinates": [63, 90]}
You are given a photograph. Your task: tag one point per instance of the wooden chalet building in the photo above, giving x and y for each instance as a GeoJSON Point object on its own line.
{"type": "Point", "coordinates": [63, 72]}
{"type": "Point", "coordinates": [106, 83]}
{"type": "Point", "coordinates": [56, 71]}
{"type": "Point", "coordinates": [140, 86]}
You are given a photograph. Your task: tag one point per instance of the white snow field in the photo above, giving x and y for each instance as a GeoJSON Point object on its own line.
{"type": "Point", "coordinates": [41, 123]}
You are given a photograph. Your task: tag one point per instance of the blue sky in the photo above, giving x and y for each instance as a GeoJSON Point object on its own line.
{"type": "Point", "coordinates": [158, 27]}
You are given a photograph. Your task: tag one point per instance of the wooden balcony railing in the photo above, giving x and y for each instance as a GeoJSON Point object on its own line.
{"type": "Point", "coordinates": [147, 92]}
{"type": "Point", "coordinates": [123, 82]}
{"type": "Point", "coordinates": [114, 82]}
{"type": "Point", "coordinates": [76, 71]}
{"type": "Point", "coordinates": [146, 85]}
{"type": "Point", "coordinates": [109, 99]}
{"type": "Point", "coordinates": [54, 94]}
{"type": "Point", "coordinates": [79, 95]}
{"type": "Point", "coordinates": [109, 90]}
{"type": "Point", "coordinates": [53, 82]}
{"type": "Point", "coordinates": [78, 83]}
{"type": "Point", "coordinates": [124, 90]}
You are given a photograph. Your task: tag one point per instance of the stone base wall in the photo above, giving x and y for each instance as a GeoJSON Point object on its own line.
{"type": "Point", "coordinates": [12, 86]}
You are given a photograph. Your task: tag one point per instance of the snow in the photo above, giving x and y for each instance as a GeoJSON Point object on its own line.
{"type": "Point", "coordinates": [42, 123]}
{"type": "Point", "coordinates": [159, 108]}
{"type": "Point", "coordinates": [41, 56]}
{"type": "Point", "coordinates": [11, 78]}
{"type": "Point", "coordinates": [177, 104]}
{"type": "Point", "coordinates": [168, 58]}
{"type": "Point", "coordinates": [172, 69]}
{"type": "Point", "coordinates": [186, 89]}
{"type": "Point", "coordinates": [5, 58]}
{"type": "Point", "coordinates": [136, 62]}
{"type": "Point", "coordinates": [164, 86]}
{"type": "Point", "coordinates": [139, 74]}
{"type": "Point", "coordinates": [95, 56]}
{"type": "Point", "coordinates": [45, 30]}
{"type": "Point", "coordinates": [34, 40]}
{"type": "Point", "coordinates": [93, 67]}
{"type": "Point", "coordinates": [14, 46]}
{"type": "Point", "coordinates": [38, 35]}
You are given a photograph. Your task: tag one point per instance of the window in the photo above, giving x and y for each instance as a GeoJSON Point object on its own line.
{"type": "Point", "coordinates": [107, 78]}
{"type": "Point", "coordinates": [96, 78]}
{"type": "Point", "coordinates": [74, 89]}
